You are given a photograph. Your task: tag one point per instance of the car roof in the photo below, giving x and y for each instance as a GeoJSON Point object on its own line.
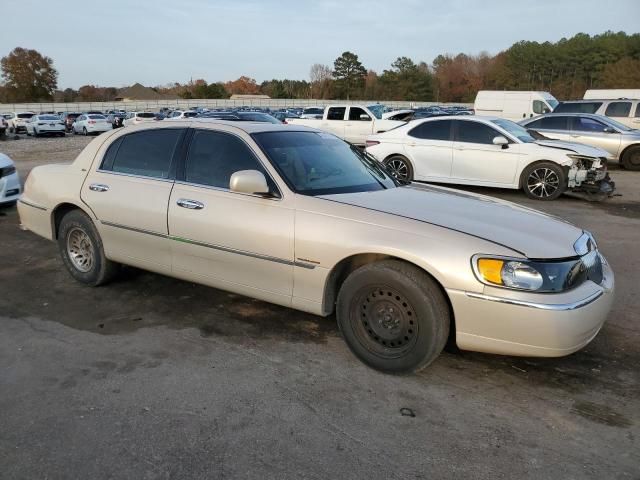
{"type": "Point", "coordinates": [569, 114]}
{"type": "Point", "coordinates": [248, 127]}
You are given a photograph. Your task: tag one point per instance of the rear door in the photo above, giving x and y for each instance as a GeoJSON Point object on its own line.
{"type": "Point", "coordinates": [429, 148]}
{"type": "Point", "coordinates": [335, 120]}
{"type": "Point", "coordinates": [128, 190]}
{"type": "Point", "coordinates": [477, 160]}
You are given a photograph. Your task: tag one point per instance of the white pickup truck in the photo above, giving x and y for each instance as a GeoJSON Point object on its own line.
{"type": "Point", "coordinates": [352, 123]}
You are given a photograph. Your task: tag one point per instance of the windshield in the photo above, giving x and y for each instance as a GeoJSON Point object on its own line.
{"type": "Point", "coordinates": [377, 110]}
{"type": "Point", "coordinates": [553, 103]}
{"type": "Point", "coordinates": [145, 115]}
{"type": "Point", "coordinates": [258, 117]}
{"type": "Point", "coordinates": [514, 129]}
{"type": "Point", "coordinates": [316, 163]}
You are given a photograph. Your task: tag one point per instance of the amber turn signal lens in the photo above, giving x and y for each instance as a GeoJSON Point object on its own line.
{"type": "Point", "coordinates": [491, 270]}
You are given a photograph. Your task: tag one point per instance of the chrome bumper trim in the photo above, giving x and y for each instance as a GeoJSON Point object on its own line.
{"type": "Point", "coordinates": [541, 306]}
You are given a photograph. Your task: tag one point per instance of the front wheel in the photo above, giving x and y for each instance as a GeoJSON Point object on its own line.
{"type": "Point", "coordinates": [82, 252]}
{"type": "Point", "coordinates": [393, 316]}
{"type": "Point", "coordinates": [631, 159]}
{"type": "Point", "coordinates": [400, 168]}
{"type": "Point", "coordinates": [544, 181]}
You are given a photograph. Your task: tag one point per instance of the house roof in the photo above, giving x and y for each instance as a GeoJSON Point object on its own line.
{"type": "Point", "coordinates": [140, 92]}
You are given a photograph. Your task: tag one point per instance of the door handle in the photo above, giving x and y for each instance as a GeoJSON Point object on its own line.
{"type": "Point", "coordinates": [99, 187]}
{"type": "Point", "coordinates": [575, 136]}
{"type": "Point", "coordinates": [412, 144]}
{"type": "Point", "coordinates": [190, 204]}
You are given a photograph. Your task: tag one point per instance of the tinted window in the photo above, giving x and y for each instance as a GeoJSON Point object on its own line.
{"type": "Point", "coordinates": [215, 156]}
{"type": "Point", "coordinates": [540, 107]}
{"type": "Point", "coordinates": [638, 110]}
{"type": "Point", "coordinates": [147, 153]}
{"type": "Point", "coordinates": [145, 115]}
{"type": "Point", "coordinates": [336, 113]}
{"type": "Point", "coordinates": [618, 109]}
{"type": "Point", "coordinates": [436, 130]}
{"type": "Point", "coordinates": [190, 114]}
{"type": "Point", "coordinates": [552, 122]}
{"type": "Point", "coordinates": [97, 117]}
{"type": "Point", "coordinates": [48, 117]}
{"type": "Point", "coordinates": [355, 112]}
{"type": "Point", "coordinates": [577, 107]}
{"type": "Point", "coordinates": [586, 124]}
{"type": "Point", "coordinates": [475, 132]}
{"type": "Point", "coordinates": [25, 115]}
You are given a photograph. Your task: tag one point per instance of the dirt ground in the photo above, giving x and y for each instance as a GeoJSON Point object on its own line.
{"type": "Point", "coordinates": [151, 377]}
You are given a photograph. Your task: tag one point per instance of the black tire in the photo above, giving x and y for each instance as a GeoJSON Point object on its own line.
{"type": "Point", "coordinates": [400, 167]}
{"type": "Point", "coordinates": [544, 181]}
{"type": "Point", "coordinates": [631, 158]}
{"type": "Point", "coordinates": [86, 242]}
{"type": "Point", "coordinates": [393, 316]}
{"type": "Point", "coordinates": [84, 131]}
{"type": "Point", "coordinates": [35, 133]}
{"type": "Point", "coordinates": [12, 130]}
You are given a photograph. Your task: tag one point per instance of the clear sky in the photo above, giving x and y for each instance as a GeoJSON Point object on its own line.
{"type": "Point", "coordinates": [119, 42]}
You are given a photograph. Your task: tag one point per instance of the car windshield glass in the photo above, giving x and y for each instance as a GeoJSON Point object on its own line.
{"type": "Point", "coordinates": [96, 117]}
{"type": "Point", "coordinates": [377, 110]}
{"type": "Point", "coordinates": [616, 124]}
{"type": "Point", "coordinates": [553, 103]}
{"type": "Point", "coordinates": [514, 129]}
{"type": "Point", "coordinates": [145, 115]}
{"type": "Point", "coordinates": [322, 164]}
{"type": "Point", "coordinates": [258, 117]}
{"type": "Point", "coordinates": [25, 115]}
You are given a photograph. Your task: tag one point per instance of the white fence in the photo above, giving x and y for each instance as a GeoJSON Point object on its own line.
{"type": "Point", "coordinates": [155, 105]}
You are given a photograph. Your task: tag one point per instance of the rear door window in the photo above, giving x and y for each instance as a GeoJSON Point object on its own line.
{"type": "Point", "coordinates": [638, 110]}
{"type": "Point", "coordinates": [618, 109]}
{"type": "Point", "coordinates": [552, 122]}
{"type": "Point", "coordinates": [148, 153]}
{"type": "Point", "coordinates": [433, 130]}
{"type": "Point", "coordinates": [336, 113]}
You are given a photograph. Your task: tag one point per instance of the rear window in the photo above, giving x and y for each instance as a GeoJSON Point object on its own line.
{"type": "Point", "coordinates": [190, 114]}
{"type": "Point", "coordinates": [577, 107]}
{"type": "Point", "coordinates": [25, 115]}
{"type": "Point", "coordinates": [618, 109]}
{"type": "Point", "coordinates": [145, 115]}
{"type": "Point", "coordinates": [96, 117]}
{"type": "Point", "coordinates": [48, 117]}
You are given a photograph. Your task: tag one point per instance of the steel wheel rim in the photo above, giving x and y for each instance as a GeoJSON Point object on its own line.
{"type": "Point", "coordinates": [80, 250]}
{"type": "Point", "coordinates": [543, 182]}
{"type": "Point", "coordinates": [398, 168]}
{"type": "Point", "coordinates": [384, 321]}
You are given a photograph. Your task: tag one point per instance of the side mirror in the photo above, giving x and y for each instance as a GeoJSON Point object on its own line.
{"type": "Point", "coordinates": [365, 117]}
{"type": "Point", "coordinates": [609, 130]}
{"type": "Point", "coordinates": [500, 140]}
{"type": "Point", "coordinates": [545, 110]}
{"type": "Point", "coordinates": [249, 181]}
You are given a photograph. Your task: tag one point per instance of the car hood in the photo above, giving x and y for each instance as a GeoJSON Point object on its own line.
{"type": "Point", "coordinates": [572, 147]}
{"type": "Point", "coordinates": [526, 231]}
{"type": "Point", "coordinates": [5, 161]}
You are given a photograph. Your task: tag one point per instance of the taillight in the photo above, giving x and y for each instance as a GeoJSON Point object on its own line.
{"type": "Point", "coordinates": [91, 121]}
{"type": "Point", "coordinates": [371, 143]}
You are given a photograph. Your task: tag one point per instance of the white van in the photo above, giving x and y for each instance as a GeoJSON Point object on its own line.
{"type": "Point", "coordinates": [514, 105]}
{"type": "Point", "coordinates": [612, 94]}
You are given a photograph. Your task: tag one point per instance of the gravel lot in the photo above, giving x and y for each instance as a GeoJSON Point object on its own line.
{"type": "Point", "coordinates": [152, 377]}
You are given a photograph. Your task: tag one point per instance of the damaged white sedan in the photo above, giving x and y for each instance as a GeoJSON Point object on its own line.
{"type": "Point", "coordinates": [490, 152]}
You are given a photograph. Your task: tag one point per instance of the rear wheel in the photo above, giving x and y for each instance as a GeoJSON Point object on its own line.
{"type": "Point", "coordinates": [631, 158]}
{"type": "Point", "coordinates": [400, 168]}
{"type": "Point", "coordinates": [82, 252]}
{"type": "Point", "coordinates": [393, 316]}
{"type": "Point", "coordinates": [84, 131]}
{"type": "Point", "coordinates": [544, 181]}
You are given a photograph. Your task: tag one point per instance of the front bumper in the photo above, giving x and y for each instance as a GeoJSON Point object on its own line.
{"type": "Point", "coordinates": [10, 188]}
{"type": "Point", "coordinates": [540, 325]}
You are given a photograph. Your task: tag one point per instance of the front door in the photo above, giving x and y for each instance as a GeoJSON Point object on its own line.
{"type": "Point", "coordinates": [477, 160]}
{"type": "Point", "coordinates": [128, 190]}
{"type": "Point", "coordinates": [358, 126]}
{"type": "Point", "coordinates": [229, 240]}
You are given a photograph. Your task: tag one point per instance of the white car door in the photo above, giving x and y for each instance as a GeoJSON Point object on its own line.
{"type": "Point", "coordinates": [429, 148]}
{"type": "Point", "coordinates": [229, 240]}
{"type": "Point", "coordinates": [476, 160]}
{"type": "Point", "coordinates": [358, 126]}
{"type": "Point", "coordinates": [128, 190]}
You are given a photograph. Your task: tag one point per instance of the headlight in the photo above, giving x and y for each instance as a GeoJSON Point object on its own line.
{"type": "Point", "coordinates": [522, 274]}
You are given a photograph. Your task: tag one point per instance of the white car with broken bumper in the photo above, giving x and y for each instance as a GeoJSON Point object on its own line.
{"type": "Point", "coordinates": [490, 152]}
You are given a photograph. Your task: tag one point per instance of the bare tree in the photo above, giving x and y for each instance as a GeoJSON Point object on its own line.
{"type": "Point", "coordinates": [321, 77]}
